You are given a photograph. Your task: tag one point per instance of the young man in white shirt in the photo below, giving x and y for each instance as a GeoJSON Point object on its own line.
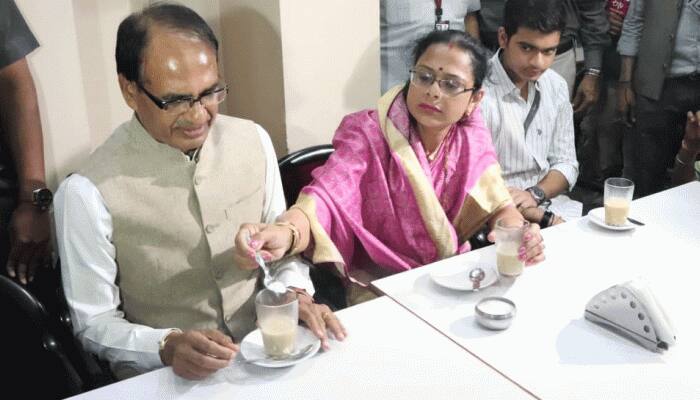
{"type": "Point", "coordinates": [528, 111]}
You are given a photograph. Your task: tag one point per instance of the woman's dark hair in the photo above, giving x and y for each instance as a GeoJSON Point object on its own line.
{"type": "Point", "coordinates": [132, 35]}
{"type": "Point", "coordinates": [545, 16]}
{"type": "Point", "coordinates": [476, 52]}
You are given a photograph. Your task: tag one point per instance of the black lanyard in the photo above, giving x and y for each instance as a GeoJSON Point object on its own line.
{"type": "Point", "coordinates": [440, 25]}
{"type": "Point", "coordinates": [533, 110]}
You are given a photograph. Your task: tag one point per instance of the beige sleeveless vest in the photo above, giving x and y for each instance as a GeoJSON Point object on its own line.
{"type": "Point", "coordinates": [174, 223]}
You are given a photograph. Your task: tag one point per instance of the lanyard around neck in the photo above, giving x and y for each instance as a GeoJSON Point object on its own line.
{"type": "Point", "coordinates": [438, 11]}
{"type": "Point", "coordinates": [440, 25]}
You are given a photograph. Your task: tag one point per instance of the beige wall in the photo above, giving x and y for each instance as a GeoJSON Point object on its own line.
{"type": "Point", "coordinates": [251, 53]}
{"type": "Point", "coordinates": [296, 67]}
{"type": "Point", "coordinates": [331, 65]}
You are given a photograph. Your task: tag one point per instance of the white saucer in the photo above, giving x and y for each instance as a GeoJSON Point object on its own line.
{"type": "Point", "coordinates": [252, 348]}
{"type": "Point", "coordinates": [454, 279]}
{"type": "Point", "coordinates": [597, 216]}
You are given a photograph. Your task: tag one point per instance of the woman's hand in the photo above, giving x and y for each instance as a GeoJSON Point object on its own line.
{"type": "Point", "coordinates": [272, 241]}
{"type": "Point", "coordinates": [532, 249]}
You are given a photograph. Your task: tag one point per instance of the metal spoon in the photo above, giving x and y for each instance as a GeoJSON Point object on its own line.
{"type": "Point", "coordinates": [301, 353]}
{"type": "Point", "coordinates": [271, 283]}
{"type": "Point", "coordinates": [634, 221]}
{"type": "Point", "coordinates": [476, 275]}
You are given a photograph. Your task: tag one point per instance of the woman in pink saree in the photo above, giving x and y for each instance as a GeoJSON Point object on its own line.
{"type": "Point", "coordinates": [408, 184]}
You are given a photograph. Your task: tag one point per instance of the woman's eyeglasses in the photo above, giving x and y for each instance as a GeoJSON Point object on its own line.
{"type": "Point", "coordinates": [425, 78]}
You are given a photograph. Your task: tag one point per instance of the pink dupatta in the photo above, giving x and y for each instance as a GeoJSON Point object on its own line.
{"type": "Point", "coordinates": [377, 202]}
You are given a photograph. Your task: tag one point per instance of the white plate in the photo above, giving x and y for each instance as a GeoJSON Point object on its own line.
{"type": "Point", "coordinates": [252, 348]}
{"type": "Point", "coordinates": [597, 216]}
{"type": "Point", "coordinates": [459, 279]}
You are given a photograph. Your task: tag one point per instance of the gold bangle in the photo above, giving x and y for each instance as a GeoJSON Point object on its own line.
{"type": "Point", "coordinates": [295, 236]}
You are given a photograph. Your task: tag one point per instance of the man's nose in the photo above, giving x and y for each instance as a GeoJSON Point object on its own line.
{"type": "Point", "coordinates": [197, 113]}
{"type": "Point", "coordinates": [538, 60]}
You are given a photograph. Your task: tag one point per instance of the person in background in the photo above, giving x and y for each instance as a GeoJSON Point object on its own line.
{"type": "Point", "coordinates": [408, 183]}
{"type": "Point", "coordinates": [659, 83]}
{"type": "Point", "coordinates": [402, 22]}
{"type": "Point", "coordinates": [527, 109]}
{"type": "Point", "coordinates": [586, 26]}
{"type": "Point", "coordinates": [600, 143]}
{"type": "Point", "coordinates": [145, 229]}
{"type": "Point", "coordinates": [686, 167]}
{"type": "Point", "coordinates": [25, 229]}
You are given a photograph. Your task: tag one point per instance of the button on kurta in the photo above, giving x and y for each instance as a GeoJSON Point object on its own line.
{"type": "Point", "coordinates": [198, 180]}
{"type": "Point", "coordinates": [210, 228]}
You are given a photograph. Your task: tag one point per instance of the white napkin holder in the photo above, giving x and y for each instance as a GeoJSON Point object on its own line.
{"type": "Point", "coordinates": [632, 311]}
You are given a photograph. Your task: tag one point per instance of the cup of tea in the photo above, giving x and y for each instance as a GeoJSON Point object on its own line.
{"type": "Point", "coordinates": [509, 239]}
{"type": "Point", "coordinates": [278, 316]}
{"type": "Point", "coordinates": [617, 196]}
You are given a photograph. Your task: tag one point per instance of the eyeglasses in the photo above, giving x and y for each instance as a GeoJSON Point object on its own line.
{"type": "Point", "coordinates": [183, 104]}
{"type": "Point", "coordinates": [423, 77]}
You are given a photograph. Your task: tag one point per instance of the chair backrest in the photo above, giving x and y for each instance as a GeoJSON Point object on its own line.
{"type": "Point", "coordinates": [35, 365]}
{"type": "Point", "coordinates": [295, 169]}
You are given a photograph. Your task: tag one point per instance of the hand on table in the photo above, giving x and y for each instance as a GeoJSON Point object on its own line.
{"type": "Point", "coordinates": [532, 249]}
{"type": "Point", "coordinates": [272, 241]}
{"type": "Point", "coordinates": [319, 319]}
{"type": "Point", "coordinates": [196, 354]}
{"type": "Point", "coordinates": [30, 247]}
{"type": "Point", "coordinates": [522, 198]}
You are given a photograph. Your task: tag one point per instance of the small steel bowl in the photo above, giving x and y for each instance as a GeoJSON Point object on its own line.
{"type": "Point", "coordinates": [490, 319]}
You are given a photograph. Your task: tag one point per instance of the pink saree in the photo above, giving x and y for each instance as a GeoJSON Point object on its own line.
{"type": "Point", "coordinates": [379, 204]}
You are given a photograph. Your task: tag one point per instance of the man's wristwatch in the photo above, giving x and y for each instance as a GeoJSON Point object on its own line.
{"type": "Point", "coordinates": [537, 193]}
{"type": "Point", "coordinates": [42, 198]}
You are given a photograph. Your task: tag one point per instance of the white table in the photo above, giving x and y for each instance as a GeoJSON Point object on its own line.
{"type": "Point", "coordinates": [550, 349]}
{"type": "Point", "coordinates": [389, 354]}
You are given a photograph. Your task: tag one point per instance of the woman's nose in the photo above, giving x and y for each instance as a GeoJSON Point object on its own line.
{"type": "Point", "coordinates": [434, 90]}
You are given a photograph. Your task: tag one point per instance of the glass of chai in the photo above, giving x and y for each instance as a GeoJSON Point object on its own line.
{"type": "Point", "coordinates": [509, 238]}
{"type": "Point", "coordinates": [278, 317]}
{"type": "Point", "coordinates": [617, 196]}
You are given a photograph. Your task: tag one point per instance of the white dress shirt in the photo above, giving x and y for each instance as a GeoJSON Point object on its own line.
{"type": "Point", "coordinates": [89, 269]}
{"type": "Point", "coordinates": [526, 157]}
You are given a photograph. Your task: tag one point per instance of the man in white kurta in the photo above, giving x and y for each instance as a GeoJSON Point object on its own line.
{"type": "Point", "coordinates": [146, 226]}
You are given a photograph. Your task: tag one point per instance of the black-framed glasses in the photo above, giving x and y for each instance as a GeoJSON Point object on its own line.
{"type": "Point", "coordinates": [183, 104]}
{"type": "Point", "coordinates": [424, 78]}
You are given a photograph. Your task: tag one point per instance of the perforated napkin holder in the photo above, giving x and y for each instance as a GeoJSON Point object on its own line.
{"type": "Point", "coordinates": [631, 310]}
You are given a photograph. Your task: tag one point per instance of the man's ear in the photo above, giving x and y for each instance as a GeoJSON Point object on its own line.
{"type": "Point", "coordinates": [129, 92]}
{"type": "Point", "coordinates": [502, 37]}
